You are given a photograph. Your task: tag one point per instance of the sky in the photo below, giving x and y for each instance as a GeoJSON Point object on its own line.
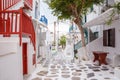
{"type": "Point", "coordinates": [44, 10]}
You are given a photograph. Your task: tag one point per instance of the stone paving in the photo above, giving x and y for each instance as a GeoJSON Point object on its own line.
{"type": "Point", "coordinates": [85, 70]}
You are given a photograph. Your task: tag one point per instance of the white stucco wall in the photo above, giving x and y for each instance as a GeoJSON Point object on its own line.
{"type": "Point", "coordinates": [68, 52]}
{"type": "Point", "coordinates": [38, 12]}
{"type": "Point", "coordinates": [98, 43]}
{"type": "Point", "coordinates": [94, 13]}
{"type": "Point", "coordinates": [114, 50]}
{"type": "Point", "coordinates": [42, 39]}
{"type": "Point", "coordinates": [10, 65]}
{"type": "Point", "coordinates": [95, 45]}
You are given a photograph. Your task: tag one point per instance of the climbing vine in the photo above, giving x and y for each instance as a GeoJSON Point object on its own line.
{"type": "Point", "coordinates": [116, 9]}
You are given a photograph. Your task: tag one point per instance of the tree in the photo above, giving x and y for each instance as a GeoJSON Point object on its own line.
{"type": "Point", "coordinates": [63, 41]}
{"type": "Point", "coordinates": [74, 10]}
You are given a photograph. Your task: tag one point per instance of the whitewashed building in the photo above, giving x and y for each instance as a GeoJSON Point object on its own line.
{"type": "Point", "coordinates": [19, 37]}
{"type": "Point", "coordinates": [104, 35]}
{"type": "Point", "coordinates": [98, 23]}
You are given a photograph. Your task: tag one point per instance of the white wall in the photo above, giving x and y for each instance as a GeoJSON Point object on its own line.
{"type": "Point", "coordinates": [44, 51]}
{"type": "Point", "coordinates": [10, 65]}
{"type": "Point", "coordinates": [98, 43]}
{"type": "Point", "coordinates": [42, 39]}
{"type": "Point", "coordinates": [94, 13]}
{"type": "Point", "coordinates": [38, 12]}
{"type": "Point", "coordinates": [114, 50]}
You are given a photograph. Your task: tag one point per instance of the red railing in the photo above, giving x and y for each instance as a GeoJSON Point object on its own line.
{"type": "Point", "coordinates": [16, 22]}
{"type": "Point", "coordinates": [28, 3]}
{"type": "Point", "coordinates": [28, 28]}
{"type": "Point", "coordinates": [5, 4]}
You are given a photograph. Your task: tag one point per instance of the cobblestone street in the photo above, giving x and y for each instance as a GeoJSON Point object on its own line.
{"type": "Point", "coordinates": [58, 69]}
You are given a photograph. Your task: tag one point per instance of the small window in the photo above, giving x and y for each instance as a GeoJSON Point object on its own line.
{"type": "Point", "coordinates": [109, 37]}
{"type": "Point", "coordinates": [96, 35]}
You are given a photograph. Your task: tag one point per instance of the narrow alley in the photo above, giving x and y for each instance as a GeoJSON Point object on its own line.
{"type": "Point", "coordinates": [58, 68]}
{"type": "Point", "coordinates": [59, 39]}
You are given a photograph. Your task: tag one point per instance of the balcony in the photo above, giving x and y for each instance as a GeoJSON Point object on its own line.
{"type": "Point", "coordinates": [6, 4]}
{"type": "Point", "coordinates": [16, 22]}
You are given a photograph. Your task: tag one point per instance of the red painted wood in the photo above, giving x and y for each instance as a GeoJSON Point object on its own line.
{"type": "Point", "coordinates": [11, 25]}
{"type": "Point", "coordinates": [21, 25]}
{"type": "Point", "coordinates": [10, 33]}
{"type": "Point", "coordinates": [100, 56]}
{"type": "Point", "coordinates": [28, 4]}
{"type": "Point", "coordinates": [28, 28]}
{"type": "Point", "coordinates": [25, 25]}
{"type": "Point", "coordinates": [5, 4]}
{"type": "Point", "coordinates": [24, 55]}
{"type": "Point", "coordinates": [8, 27]}
{"type": "Point", "coordinates": [16, 23]}
{"type": "Point", "coordinates": [1, 25]}
{"type": "Point", "coordinates": [0, 5]}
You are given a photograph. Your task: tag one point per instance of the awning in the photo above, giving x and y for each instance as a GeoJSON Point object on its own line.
{"type": "Point", "coordinates": [35, 21]}
{"type": "Point", "coordinates": [101, 19]}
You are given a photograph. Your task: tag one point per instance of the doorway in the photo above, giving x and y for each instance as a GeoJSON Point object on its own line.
{"type": "Point", "coordinates": [24, 55]}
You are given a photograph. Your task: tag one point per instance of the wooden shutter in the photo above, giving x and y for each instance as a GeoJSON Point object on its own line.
{"type": "Point", "coordinates": [112, 37]}
{"type": "Point", "coordinates": [105, 38]}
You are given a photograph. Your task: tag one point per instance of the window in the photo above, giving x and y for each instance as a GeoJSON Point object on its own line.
{"type": "Point", "coordinates": [109, 37]}
{"type": "Point", "coordinates": [96, 34]}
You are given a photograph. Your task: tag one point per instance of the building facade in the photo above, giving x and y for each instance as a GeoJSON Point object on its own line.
{"type": "Point", "coordinates": [20, 31]}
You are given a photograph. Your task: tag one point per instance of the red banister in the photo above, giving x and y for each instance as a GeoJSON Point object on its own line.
{"type": "Point", "coordinates": [5, 4]}
{"type": "Point", "coordinates": [28, 28]}
{"type": "Point", "coordinates": [21, 25]}
{"type": "Point", "coordinates": [0, 5]}
{"type": "Point", "coordinates": [7, 22]}
{"type": "Point", "coordinates": [16, 22]}
{"type": "Point", "coordinates": [28, 3]}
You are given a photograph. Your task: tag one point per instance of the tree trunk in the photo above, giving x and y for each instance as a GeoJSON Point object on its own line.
{"type": "Point", "coordinates": [85, 57]}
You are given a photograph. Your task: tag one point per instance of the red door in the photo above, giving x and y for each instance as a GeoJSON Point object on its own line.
{"type": "Point", "coordinates": [24, 53]}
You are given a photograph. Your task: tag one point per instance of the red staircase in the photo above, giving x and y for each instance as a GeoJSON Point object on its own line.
{"type": "Point", "coordinates": [16, 22]}
{"type": "Point", "coordinates": [28, 3]}
{"type": "Point", "coordinates": [5, 4]}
